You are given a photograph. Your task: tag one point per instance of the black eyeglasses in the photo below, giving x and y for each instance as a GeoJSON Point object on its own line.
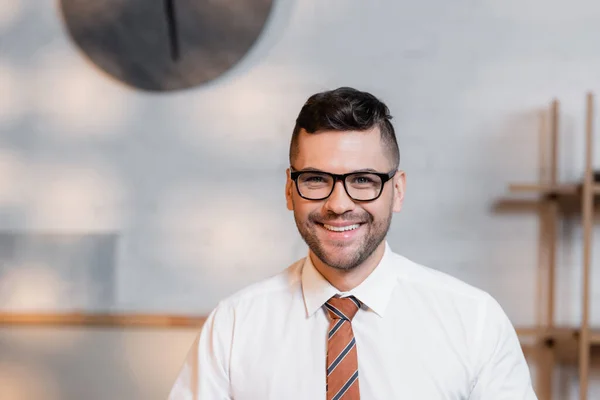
{"type": "Point", "coordinates": [360, 186]}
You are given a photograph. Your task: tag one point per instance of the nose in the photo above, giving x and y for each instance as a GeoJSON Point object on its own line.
{"type": "Point", "coordinates": [339, 202]}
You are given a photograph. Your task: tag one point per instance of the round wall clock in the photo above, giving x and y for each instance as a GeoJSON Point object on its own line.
{"type": "Point", "coordinates": [164, 45]}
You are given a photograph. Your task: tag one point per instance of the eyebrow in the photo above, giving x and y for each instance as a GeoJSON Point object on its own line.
{"type": "Point", "coordinates": [351, 172]}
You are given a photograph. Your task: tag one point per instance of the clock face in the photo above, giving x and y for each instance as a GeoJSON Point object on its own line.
{"type": "Point", "coordinates": [164, 45]}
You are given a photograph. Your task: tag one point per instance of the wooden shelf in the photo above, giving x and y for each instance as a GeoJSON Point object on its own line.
{"type": "Point", "coordinates": [562, 332]}
{"type": "Point", "coordinates": [567, 196]}
{"type": "Point", "coordinates": [562, 341]}
{"type": "Point", "coordinates": [559, 189]}
{"type": "Point", "coordinates": [595, 338]}
{"type": "Point", "coordinates": [101, 320]}
{"type": "Point", "coordinates": [562, 189]}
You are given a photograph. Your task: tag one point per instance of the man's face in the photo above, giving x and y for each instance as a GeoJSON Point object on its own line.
{"type": "Point", "coordinates": [340, 153]}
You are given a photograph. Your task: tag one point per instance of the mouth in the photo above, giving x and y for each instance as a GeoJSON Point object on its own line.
{"type": "Point", "coordinates": [344, 228]}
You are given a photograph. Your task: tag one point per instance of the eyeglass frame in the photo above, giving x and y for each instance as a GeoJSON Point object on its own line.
{"type": "Point", "coordinates": [385, 177]}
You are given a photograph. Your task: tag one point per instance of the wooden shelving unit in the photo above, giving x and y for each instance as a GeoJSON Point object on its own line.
{"type": "Point", "coordinates": [554, 345]}
{"type": "Point", "coordinates": [108, 320]}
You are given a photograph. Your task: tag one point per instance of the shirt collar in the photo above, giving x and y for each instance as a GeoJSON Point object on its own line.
{"type": "Point", "coordinates": [375, 291]}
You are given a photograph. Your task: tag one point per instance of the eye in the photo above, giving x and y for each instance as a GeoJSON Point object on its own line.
{"type": "Point", "coordinates": [363, 179]}
{"type": "Point", "coordinates": [314, 178]}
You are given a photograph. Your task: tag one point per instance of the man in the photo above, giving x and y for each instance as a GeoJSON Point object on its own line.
{"type": "Point", "coordinates": [353, 319]}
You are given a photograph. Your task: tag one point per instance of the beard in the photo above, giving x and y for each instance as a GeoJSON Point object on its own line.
{"type": "Point", "coordinates": [342, 256]}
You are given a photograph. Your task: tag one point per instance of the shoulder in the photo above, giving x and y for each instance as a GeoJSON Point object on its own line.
{"type": "Point", "coordinates": [471, 315]}
{"type": "Point", "coordinates": [430, 280]}
{"type": "Point", "coordinates": [452, 299]}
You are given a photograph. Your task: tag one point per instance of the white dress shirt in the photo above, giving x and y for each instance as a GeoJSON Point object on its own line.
{"type": "Point", "coordinates": [421, 334]}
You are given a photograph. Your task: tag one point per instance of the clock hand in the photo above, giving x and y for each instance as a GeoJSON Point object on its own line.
{"type": "Point", "coordinates": [172, 26]}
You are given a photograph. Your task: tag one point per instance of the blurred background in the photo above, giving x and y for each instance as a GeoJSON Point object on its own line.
{"type": "Point", "coordinates": [143, 147]}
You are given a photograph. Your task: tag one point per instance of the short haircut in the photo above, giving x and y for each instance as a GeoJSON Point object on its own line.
{"type": "Point", "coordinates": [346, 109]}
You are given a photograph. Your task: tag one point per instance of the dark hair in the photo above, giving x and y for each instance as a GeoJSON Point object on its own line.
{"type": "Point", "coordinates": [346, 109]}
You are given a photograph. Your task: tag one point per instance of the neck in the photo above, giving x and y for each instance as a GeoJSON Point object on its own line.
{"type": "Point", "coordinates": [345, 280]}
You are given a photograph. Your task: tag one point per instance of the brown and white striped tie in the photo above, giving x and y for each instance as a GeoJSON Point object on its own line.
{"type": "Point", "coordinates": [342, 360]}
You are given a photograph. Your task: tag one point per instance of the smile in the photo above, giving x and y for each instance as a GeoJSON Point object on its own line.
{"type": "Point", "coordinates": [341, 228]}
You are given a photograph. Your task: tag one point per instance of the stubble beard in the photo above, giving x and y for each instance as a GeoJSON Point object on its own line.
{"type": "Point", "coordinates": [376, 231]}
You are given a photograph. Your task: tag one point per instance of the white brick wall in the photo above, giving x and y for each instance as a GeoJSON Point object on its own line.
{"type": "Point", "coordinates": [193, 181]}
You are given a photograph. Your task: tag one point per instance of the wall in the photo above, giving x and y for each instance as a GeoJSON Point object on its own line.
{"type": "Point", "coordinates": [190, 184]}
{"type": "Point", "coordinates": [96, 364]}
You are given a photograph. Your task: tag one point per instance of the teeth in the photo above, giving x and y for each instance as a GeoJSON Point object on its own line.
{"type": "Point", "coordinates": [341, 228]}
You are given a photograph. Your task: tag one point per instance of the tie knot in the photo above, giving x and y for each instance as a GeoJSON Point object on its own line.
{"type": "Point", "coordinates": [342, 307]}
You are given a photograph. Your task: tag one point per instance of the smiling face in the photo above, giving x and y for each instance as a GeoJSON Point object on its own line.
{"type": "Point", "coordinates": [339, 231]}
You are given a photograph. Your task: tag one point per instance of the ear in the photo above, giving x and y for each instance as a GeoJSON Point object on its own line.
{"type": "Point", "coordinates": [289, 187]}
{"type": "Point", "coordinates": [399, 188]}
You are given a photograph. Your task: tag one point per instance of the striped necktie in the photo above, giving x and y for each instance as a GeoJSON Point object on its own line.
{"type": "Point", "coordinates": [342, 361]}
